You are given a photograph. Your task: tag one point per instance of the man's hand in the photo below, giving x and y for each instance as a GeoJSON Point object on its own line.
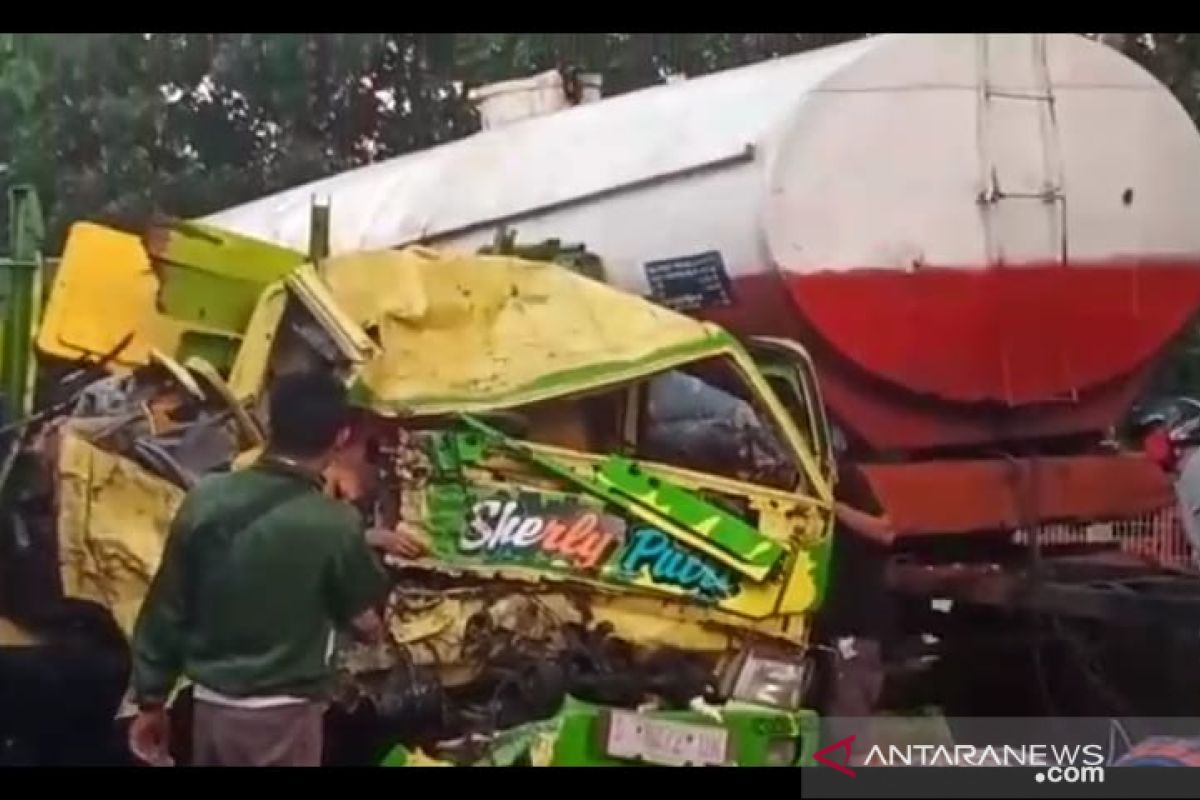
{"type": "Point", "coordinates": [878, 529]}
{"type": "Point", "coordinates": [150, 737]}
{"type": "Point", "coordinates": [406, 541]}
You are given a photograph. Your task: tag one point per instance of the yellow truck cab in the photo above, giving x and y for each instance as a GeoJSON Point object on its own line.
{"type": "Point", "coordinates": [609, 488]}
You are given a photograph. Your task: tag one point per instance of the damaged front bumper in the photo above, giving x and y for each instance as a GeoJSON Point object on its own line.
{"type": "Point", "coordinates": [582, 734]}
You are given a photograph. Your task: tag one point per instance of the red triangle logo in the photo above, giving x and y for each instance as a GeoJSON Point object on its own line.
{"type": "Point", "coordinates": [840, 766]}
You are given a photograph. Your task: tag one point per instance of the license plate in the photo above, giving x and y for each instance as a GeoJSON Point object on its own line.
{"type": "Point", "coordinates": [665, 741]}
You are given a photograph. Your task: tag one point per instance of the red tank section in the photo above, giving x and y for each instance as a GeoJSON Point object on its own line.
{"type": "Point", "coordinates": [954, 357]}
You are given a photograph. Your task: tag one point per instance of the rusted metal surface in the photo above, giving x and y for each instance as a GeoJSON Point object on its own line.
{"type": "Point", "coordinates": [1155, 539]}
{"type": "Point", "coordinates": [957, 497]}
{"type": "Point", "coordinates": [1113, 587]}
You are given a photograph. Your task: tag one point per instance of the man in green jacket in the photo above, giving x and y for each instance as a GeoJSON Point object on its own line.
{"type": "Point", "coordinates": [259, 569]}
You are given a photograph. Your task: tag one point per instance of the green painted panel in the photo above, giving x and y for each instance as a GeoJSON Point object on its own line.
{"type": "Point", "coordinates": [757, 736]}
{"type": "Point", "coordinates": [214, 278]}
{"type": "Point", "coordinates": [718, 526]}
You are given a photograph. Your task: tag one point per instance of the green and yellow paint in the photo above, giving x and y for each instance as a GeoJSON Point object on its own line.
{"type": "Point", "coordinates": [578, 736]}
{"type": "Point", "coordinates": [614, 524]}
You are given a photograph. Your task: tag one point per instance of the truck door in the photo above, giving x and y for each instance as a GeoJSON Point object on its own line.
{"type": "Point", "coordinates": [735, 516]}
{"type": "Point", "coordinates": [755, 452]}
{"type": "Point", "coordinates": [789, 371]}
{"type": "Point", "coordinates": [791, 376]}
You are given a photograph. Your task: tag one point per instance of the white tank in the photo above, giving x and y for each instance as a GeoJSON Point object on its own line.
{"type": "Point", "coordinates": [995, 228]}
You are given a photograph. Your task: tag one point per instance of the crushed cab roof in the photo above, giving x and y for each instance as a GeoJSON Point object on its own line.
{"type": "Point", "coordinates": [464, 332]}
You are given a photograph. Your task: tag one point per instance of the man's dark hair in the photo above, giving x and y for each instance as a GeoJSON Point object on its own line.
{"type": "Point", "coordinates": [308, 410]}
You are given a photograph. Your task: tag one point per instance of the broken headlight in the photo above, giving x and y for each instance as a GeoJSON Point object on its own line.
{"type": "Point", "coordinates": [768, 681]}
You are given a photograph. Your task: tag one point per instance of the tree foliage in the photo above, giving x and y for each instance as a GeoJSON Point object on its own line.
{"type": "Point", "coordinates": [112, 127]}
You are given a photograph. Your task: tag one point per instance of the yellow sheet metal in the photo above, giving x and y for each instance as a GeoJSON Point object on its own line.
{"type": "Point", "coordinates": [466, 332]}
{"type": "Point", "coordinates": [113, 519]}
{"type": "Point", "coordinates": [348, 336]}
{"type": "Point", "coordinates": [13, 635]}
{"type": "Point", "coordinates": [304, 284]}
{"type": "Point", "coordinates": [103, 290]}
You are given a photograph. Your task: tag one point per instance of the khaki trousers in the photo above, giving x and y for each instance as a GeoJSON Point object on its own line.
{"type": "Point", "coordinates": [282, 736]}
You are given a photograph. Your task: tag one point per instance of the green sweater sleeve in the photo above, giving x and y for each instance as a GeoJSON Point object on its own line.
{"type": "Point", "coordinates": [158, 634]}
{"type": "Point", "coordinates": [356, 580]}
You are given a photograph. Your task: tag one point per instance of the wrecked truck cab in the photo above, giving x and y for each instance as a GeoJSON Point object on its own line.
{"type": "Point", "coordinates": [620, 506]}
{"type": "Point", "coordinates": [528, 376]}
{"type": "Point", "coordinates": [124, 456]}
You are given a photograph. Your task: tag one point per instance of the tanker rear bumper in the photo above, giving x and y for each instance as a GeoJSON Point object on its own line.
{"type": "Point", "coordinates": [1102, 590]}
{"type": "Point", "coordinates": [1094, 537]}
{"type": "Point", "coordinates": [963, 496]}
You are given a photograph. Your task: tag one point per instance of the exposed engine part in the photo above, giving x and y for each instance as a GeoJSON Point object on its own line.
{"type": "Point", "coordinates": [523, 674]}
{"type": "Point", "coordinates": [411, 697]}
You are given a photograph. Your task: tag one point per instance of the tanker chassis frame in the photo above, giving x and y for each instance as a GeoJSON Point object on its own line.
{"type": "Point", "coordinates": [1094, 635]}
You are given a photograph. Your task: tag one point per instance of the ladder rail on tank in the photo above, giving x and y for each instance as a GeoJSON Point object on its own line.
{"type": "Point", "coordinates": [991, 100]}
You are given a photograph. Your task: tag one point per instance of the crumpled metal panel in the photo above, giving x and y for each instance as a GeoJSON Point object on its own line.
{"type": "Point", "coordinates": [211, 277]}
{"type": "Point", "coordinates": [113, 519]}
{"type": "Point", "coordinates": [439, 629]}
{"type": "Point", "coordinates": [104, 290]}
{"type": "Point", "coordinates": [465, 332]}
{"type": "Point", "coordinates": [339, 330]}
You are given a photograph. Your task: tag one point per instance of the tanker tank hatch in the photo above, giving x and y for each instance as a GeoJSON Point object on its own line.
{"type": "Point", "coordinates": [511, 101]}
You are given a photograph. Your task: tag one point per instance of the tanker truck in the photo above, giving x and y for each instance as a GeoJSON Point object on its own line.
{"type": "Point", "coordinates": [985, 241]}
